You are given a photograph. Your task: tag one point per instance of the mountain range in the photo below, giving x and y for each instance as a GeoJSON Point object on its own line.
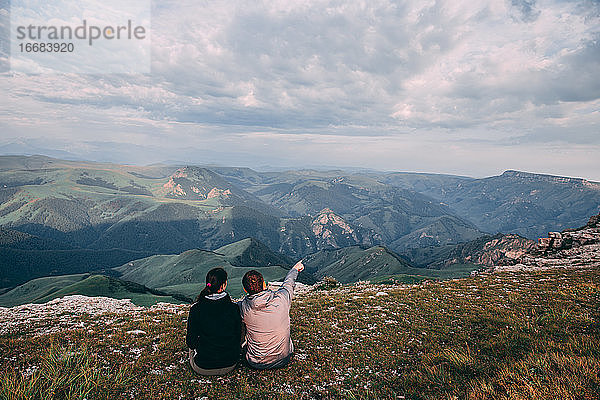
{"type": "Point", "coordinates": [62, 217]}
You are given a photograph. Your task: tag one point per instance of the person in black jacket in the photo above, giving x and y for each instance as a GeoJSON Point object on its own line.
{"type": "Point", "coordinates": [214, 328]}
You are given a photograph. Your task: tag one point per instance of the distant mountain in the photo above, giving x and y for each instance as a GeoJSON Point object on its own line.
{"type": "Point", "coordinates": [326, 229]}
{"type": "Point", "coordinates": [45, 289]}
{"type": "Point", "coordinates": [196, 183]}
{"type": "Point", "coordinates": [21, 147]}
{"type": "Point", "coordinates": [432, 185]}
{"type": "Point", "coordinates": [160, 209]}
{"type": "Point", "coordinates": [383, 214]}
{"type": "Point", "coordinates": [154, 209]}
{"type": "Point", "coordinates": [527, 204]}
{"type": "Point", "coordinates": [352, 264]}
{"type": "Point", "coordinates": [515, 202]}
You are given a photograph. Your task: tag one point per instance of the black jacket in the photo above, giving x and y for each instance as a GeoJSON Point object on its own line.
{"type": "Point", "coordinates": [214, 329]}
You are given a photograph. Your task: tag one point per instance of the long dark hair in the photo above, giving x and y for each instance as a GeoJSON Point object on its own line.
{"type": "Point", "coordinates": [215, 278]}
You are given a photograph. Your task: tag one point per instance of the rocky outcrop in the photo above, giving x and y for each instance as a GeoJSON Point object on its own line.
{"type": "Point", "coordinates": [195, 183]}
{"type": "Point", "coordinates": [326, 222]}
{"type": "Point", "coordinates": [506, 249]}
{"type": "Point", "coordinates": [575, 248]}
{"type": "Point", "coordinates": [586, 235]}
{"type": "Point", "coordinates": [486, 251]}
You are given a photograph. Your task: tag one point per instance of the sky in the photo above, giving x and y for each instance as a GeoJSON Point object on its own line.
{"type": "Point", "coordinates": [459, 87]}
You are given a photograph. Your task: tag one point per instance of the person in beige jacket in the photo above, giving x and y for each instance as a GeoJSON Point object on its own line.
{"type": "Point", "coordinates": [266, 315]}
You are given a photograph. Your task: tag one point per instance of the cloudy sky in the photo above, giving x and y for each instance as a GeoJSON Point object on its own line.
{"type": "Point", "coordinates": [462, 87]}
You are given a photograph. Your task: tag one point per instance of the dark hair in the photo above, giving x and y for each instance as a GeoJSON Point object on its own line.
{"type": "Point", "coordinates": [253, 282]}
{"type": "Point", "coordinates": [215, 278]}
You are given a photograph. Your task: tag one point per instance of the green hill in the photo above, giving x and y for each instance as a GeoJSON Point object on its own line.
{"type": "Point", "coordinates": [185, 273]}
{"type": "Point", "coordinates": [181, 275]}
{"type": "Point", "coordinates": [19, 240]}
{"type": "Point", "coordinates": [376, 264]}
{"type": "Point", "coordinates": [45, 289]}
{"type": "Point", "coordinates": [155, 209]}
{"type": "Point", "coordinates": [20, 265]}
{"type": "Point", "coordinates": [250, 252]}
{"type": "Point", "coordinates": [35, 289]}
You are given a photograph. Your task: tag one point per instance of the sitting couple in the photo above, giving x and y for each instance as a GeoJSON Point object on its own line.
{"type": "Point", "coordinates": [214, 326]}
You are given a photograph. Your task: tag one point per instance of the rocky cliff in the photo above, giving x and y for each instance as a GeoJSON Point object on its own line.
{"type": "Point", "coordinates": [571, 248]}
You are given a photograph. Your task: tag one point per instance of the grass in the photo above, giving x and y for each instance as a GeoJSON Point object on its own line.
{"type": "Point", "coordinates": [514, 335]}
{"type": "Point", "coordinates": [65, 373]}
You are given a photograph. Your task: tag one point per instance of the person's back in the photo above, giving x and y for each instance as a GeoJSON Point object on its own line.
{"type": "Point", "coordinates": [214, 329]}
{"type": "Point", "coordinates": [266, 316]}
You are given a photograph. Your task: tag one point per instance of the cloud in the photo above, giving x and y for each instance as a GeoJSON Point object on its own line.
{"type": "Point", "coordinates": [504, 73]}
{"type": "Point", "coordinates": [524, 10]}
{"type": "Point", "coordinates": [4, 35]}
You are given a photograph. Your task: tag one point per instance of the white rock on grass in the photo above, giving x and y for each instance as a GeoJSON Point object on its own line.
{"type": "Point", "coordinates": [136, 332]}
{"type": "Point", "coordinates": [57, 314]}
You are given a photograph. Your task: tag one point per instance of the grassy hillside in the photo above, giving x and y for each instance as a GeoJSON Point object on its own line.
{"type": "Point", "coordinates": [250, 252]}
{"type": "Point", "coordinates": [24, 241]}
{"type": "Point", "coordinates": [377, 263]}
{"type": "Point", "coordinates": [182, 274]}
{"type": "Point", "coordinates": [18, 266]}
{"type": "Point", "coordinates": [513, 335]}
{"type": "Point", "coordinates": [185, 273]}
{"type": "Point", "coordinates": [98, 205]}
{"type": "Point", "coordinates": [35, 289]}
{"type": "Point", "coordinates": [42, 290]}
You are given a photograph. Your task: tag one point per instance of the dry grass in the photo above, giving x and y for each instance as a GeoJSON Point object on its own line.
{"type": "Point", "coordinates": [519, 335]}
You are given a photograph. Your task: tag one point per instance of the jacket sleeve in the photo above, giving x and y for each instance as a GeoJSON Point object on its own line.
{"type": "Point", "coordinates": [191, 338]}
{"type": "Point", "coordinates": [286, 292]}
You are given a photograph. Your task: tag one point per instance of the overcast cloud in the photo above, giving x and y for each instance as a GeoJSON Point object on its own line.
{"type": "Point", "coordinates": [461, 87]}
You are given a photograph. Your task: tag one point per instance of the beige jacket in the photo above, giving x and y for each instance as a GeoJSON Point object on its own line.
{"type": "Point", "coordinates": [267, 319]}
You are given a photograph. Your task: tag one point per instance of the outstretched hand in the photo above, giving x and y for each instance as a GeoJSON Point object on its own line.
{"type": "Point", "coordinates": [299, 266]}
